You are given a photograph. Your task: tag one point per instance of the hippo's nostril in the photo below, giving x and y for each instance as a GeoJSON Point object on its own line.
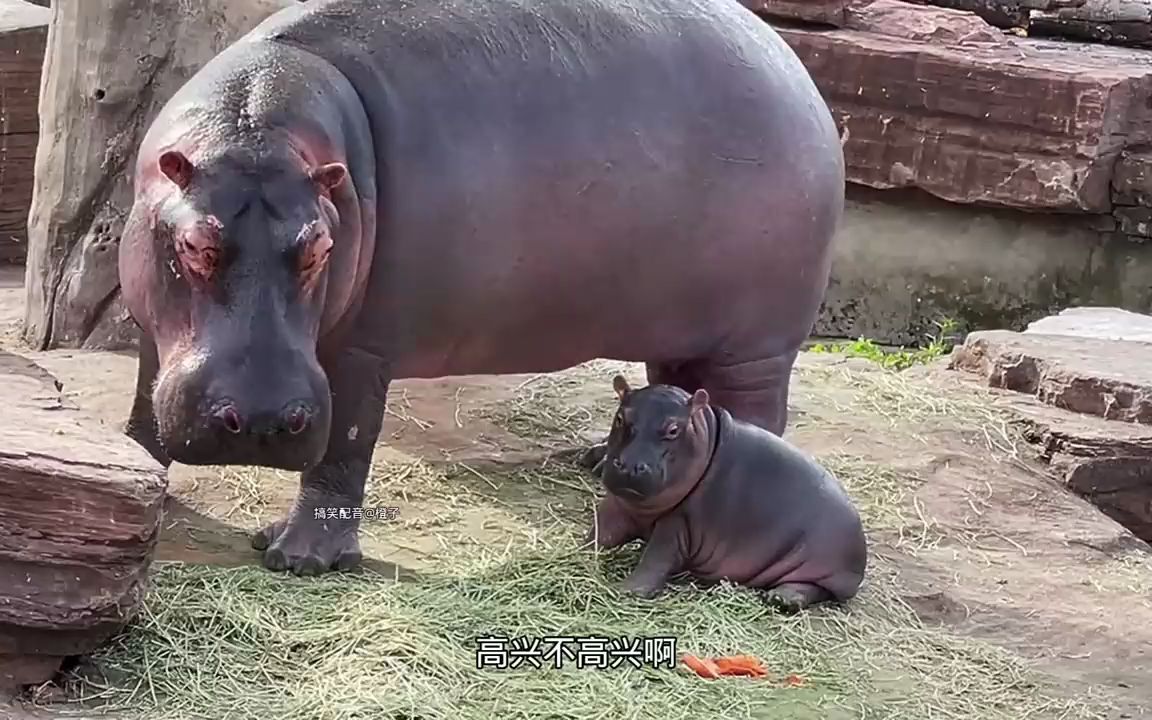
{"type": "Point", "coordinates": [642, 469]}
{"type": "Point", "coordinates": [296, 418]}
{"type": "Point", "coordinates": [229, 418]}
{"type": "Point", "coordinates": [616, 464]}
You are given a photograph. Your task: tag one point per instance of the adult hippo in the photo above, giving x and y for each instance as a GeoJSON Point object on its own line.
{"type": "Point", "coordinates": [359, 191]}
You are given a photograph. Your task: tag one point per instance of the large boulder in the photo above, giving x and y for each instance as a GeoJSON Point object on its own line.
{"type": "Point", "coordinates": [1111, 379]}
{"type": "Point", "coordinates": [1106, 323]}
{"type": "Point", "coordinates": [80, 511]}
{"type": "Point", "coordinates": [1086, 400]}
{"type": "Point", "coordinates": [1024, 124]}
{"type": "Point", "coordinates": [940, 101]}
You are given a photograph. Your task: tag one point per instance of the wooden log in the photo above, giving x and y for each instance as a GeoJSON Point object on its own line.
{"type": "Point", "coordinates": [1106, 11]}
{"type": "Point", "coordinates": [23, 33]}
{"type": "Point", "coordinates": [80, 510]}
{"type": "Point", "coordinates": [1110, 22]}
{"type": "Point", "coordinates": [1126, 34]}
{"type": "Point", "coordinates": [109, 67]}
{"type": "Point", "coordinates": [1000, 13]}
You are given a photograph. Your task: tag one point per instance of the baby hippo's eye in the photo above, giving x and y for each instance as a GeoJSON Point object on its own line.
{"type": "Point", "coordinates": [672, 431]}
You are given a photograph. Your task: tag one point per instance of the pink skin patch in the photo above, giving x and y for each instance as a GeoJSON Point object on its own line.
{"type": "Point", "coordinates": [199, 249]}
{"type": "Point", "coordinates": [315, 247]}
{"type": "Point", "coordinates": [315, 240]}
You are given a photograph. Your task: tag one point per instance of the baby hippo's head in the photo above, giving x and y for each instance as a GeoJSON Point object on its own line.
{"type": "Point", "coordinates": [656, 436]}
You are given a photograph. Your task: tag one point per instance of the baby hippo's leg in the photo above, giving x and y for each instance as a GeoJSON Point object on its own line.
{"type": "Point", "coordinates": [661, 559]}
{"type": "Point", "coordinates": [611, 525]}
{"type": "Point", "coordinates": [791, 598]}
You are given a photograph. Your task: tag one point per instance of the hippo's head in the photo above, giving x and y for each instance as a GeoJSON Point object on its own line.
{"type": "Point", "coordinates": [224, 265]}
{"type": "Point", "coordinates": [658, 445]}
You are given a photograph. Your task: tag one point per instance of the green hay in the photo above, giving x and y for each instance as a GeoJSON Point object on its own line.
{"type": "Point", "coordinates": [218, 643]}
{"type": "Point", "coordinates": [558, 409]}
{"type": "Point", "coordinates": [244, 643]}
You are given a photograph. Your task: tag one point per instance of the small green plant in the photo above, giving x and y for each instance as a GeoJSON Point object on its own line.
{"type": "Point", "coordinates": [898, 358]}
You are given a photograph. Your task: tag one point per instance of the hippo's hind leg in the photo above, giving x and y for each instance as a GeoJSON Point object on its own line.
{"type": "Point", "coordinates": [141, 425]}
{"type": "Point", "coordinates": [753, 389]}
{"type": "Point", "coordinates": [792, 598]}
{"type": "Point", "coordinates": [321, 531]}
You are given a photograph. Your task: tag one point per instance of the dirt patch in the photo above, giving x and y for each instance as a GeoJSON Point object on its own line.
{"type": "Point", "coordinates": [969, 533]}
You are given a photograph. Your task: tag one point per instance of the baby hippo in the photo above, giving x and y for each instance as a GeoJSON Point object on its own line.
{"type": "Point", "coordinates": [723, 499]}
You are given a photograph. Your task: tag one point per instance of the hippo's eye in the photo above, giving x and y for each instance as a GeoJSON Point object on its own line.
{"type": "Point", "coordinates": [672, 431]}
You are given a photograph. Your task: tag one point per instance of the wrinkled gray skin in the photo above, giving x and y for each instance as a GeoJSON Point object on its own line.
{"type": "Point", "coordinates": [723, 499]}
{"type": "Point", "coordinates": [360, 191]}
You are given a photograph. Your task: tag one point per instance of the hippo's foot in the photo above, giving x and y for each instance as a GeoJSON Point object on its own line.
{"type": "Point", "coordinates": [644, 588]}
{"type": "Point", "coordinates": [308, 545]}
{"type": "Point", "coordinates": [592, 459]}
{"type": "Point", "coordinates": [611, 526]}
{"type": "Point", "coordinates": [791, 598]}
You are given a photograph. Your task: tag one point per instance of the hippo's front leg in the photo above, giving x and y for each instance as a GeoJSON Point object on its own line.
{"type": "Point", "coordinates": [612, 526]}
{"type": "Point", "coordinates": [660, 560]}
{"type": "Point", "coordinates": [141, 426]}
{"type": "Point", "coordinates": [308, 541]}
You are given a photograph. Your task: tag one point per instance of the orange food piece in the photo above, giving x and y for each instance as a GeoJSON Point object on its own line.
{"type": "Point", "coordinates": [744, 665]}
{"type": "Point", "coordinates": [703, 668]}
{"type": "Point", "coordinates": [794, 681]}
{"type": "Point", "coordinates": [734, 665]}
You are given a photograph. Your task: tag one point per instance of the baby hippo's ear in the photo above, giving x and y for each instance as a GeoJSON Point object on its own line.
{"type": "Point", "coordinates": [700, 400]}
{"type": "Point", "coordinates": [620, 385]}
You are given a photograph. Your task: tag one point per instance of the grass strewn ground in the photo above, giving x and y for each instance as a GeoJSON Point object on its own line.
{"type": "Point", "coordinates": [243, 643]}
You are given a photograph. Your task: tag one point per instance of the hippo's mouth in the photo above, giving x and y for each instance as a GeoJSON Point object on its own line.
{"type": "Point", "coordinates": [269, 409]}
{"type": "Point", "coordinates": [627, 487]}
{"type": "Point", "coordinates": [629, 491]}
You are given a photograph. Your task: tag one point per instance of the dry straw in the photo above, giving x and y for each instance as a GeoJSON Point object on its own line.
{"type": "Point", "coordinates": [243, 643]}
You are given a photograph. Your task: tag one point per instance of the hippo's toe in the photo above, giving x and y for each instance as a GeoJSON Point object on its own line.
{"type": "Point", "coordinates": [639, 589]}
{"type": "Point", "coordinates": [791, 598]}
{"type": "Point", "coordinates": [309, 547]}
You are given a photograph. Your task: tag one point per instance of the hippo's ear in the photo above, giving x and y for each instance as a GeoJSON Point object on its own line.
{"type": "Point", "coordinates": [700, 399]}
{"type": "Point", "coordinates": [177, 167]}
{"type": "Point", "coordinates": [330, 175]}
{"type": "Point", "coordinates": [620, 385]}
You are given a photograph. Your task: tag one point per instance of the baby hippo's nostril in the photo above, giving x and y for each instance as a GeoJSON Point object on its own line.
{"type": "Point", "coordinates": [297, 418]}
{"type": "Point", "coordinates": [616, 464]}
{"type": "Point", "coordinates": [227, 416]}
{"type": "Point", "coordinates": [641, 469]}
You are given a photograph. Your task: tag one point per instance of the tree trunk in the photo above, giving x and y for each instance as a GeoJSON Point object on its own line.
{"type": "Point", "coordinates": [109, 68]}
